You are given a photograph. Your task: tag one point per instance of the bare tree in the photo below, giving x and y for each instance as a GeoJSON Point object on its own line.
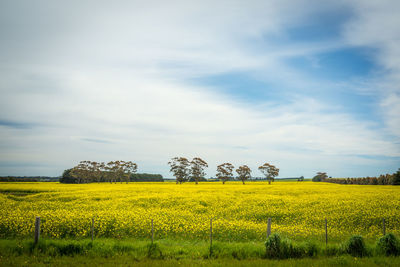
{"type": "Point", "coordinates": [224, 172]}
{"type": "Point", "coordinates": [197, 169]}
{"type": "Point", "coordinates": [244, 173]}
{"type": "Point", "coordinates": [270, 171]}
{"type": "Point", "coordinates": [180, 169]}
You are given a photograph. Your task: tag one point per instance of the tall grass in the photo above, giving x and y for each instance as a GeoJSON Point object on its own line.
{"type": "Point", "coordinates": [275, 247]}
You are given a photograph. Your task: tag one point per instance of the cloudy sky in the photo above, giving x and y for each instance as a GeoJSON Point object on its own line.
{"type": "Point", "coordinates": [305, 85]}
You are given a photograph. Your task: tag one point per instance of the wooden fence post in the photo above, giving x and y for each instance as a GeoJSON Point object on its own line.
{"type": "Point", "coordinates": [92, 229]}
{"type": "Point", "coordinates": [269, 227]}
{"type": "Point", "coordinates": [152, 231]}
{"type": "Point", "coordinates": [384, 227]}
{"type": "Point", "coordinates": [37, 230]}
{"type": "Point", "coordinates": [210, 236]}
{"type": "Point", "coordinates": [326, 232]}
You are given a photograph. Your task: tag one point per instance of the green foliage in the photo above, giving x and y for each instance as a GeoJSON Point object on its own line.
{"type": "Point", "coordinates": [146, 177]}
{"type": "Point", "coordinates": [201, 179]}
{"type": "Point", "coordinates": [320, 177]}
{"type": "Point", "coordinates": [383, 179]}
{"type": "Point", "coordinates": [154, 251]}
{"type": "Point", "coordinates": [273, 246]}
{"type": "Point", "coordinates": [278, 248]}
{"type": "Point", "coordinates": [355, 246]}
{"type": "Point", "coordinates": [388, 245]}
{"type": "Point", "coordinates": [396, 177]}
{"type": "Point", "coordinates": [67, 177]}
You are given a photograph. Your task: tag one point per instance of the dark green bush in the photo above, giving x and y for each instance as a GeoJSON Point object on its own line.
{"type": "Point", "coordinates": [355, 246]}
{"type": "Point", "coordinates": [311, 249]}
{"type": "Point", "coordinates": [388, 245]}
{"type": "Point", "coordinates": [154, 251]}
{"type": "Point", "coordinates": [278, 248]}
{"type": "Point", "coordinates": [273, 246]}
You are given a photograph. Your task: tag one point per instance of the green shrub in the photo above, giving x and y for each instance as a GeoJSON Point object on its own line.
{"type": "Point", "coordinates": [311, 249]}
{"type": "Point", "coordinates": [154, 251]}
{"type": "Point", "coordinates": [388, 245]}
{"type": "Point", "coordinates": [278, 248]}
{"type": "Point", "coordinates": [273, 246]}
{"type": "Point", "coordinates": [334, 250]}
{"type": "Point", "coordinates": [355, 246]}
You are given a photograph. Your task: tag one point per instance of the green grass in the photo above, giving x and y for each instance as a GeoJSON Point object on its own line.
{"type": "Point", "coordinates": [170, 252]}
{"type": "Point", "coordinates": [126, 260]}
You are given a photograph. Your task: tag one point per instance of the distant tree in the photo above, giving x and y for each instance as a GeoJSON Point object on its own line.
{"type": "Point", "coordinates": [96, 170]}
{"type": "Point", "coordinates": [197, 169]}
{"type": "Point", "coordinates": [81, 172]}
{"type": "Point", "coordinates": [128, 168]}
{"type": "Point", "coordinates": [321, 176]}
{"type": "Point", "coordinates": [91, 171]}
{"type": "Point", "coordinates": [67, 177]}
{"type": "Point", "coordinates": [146, 177]}
{"type": "Point", "coordinates": [301, 178]}
{"type": "Point", "coordinates": [224, 172]}
{"type": "Point", "coordinates": [180, 169]}
{"type": "Point", "coordinates": [115, 171]}
{"type": "Point", "coordinates": [396, 178]}
{"type": "Point", "coordinates": [244, 173]}
{"type": "Point", "coordinates": [270, 171]}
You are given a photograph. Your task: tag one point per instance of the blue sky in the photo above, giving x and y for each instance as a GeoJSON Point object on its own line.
{"type": "Point", "coordinates": [305, 85]}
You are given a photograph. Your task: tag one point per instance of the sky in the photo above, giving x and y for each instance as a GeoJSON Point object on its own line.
{"type": "Point", "coordinates": [307, 86]}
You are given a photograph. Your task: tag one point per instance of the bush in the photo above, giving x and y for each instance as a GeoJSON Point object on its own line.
{"type": "Point", "coordinates": [356, 246]}
{"type": "Point", "coordinates": [154, 251]}
{"type": "Point", "coordinates": [311, 249]}
{"type": "Point", "coordinates": [388, 245]}
{"type": "Point", "coordinates": [277, 248]}
{"type": "Point", "coordinates": [273, 246]}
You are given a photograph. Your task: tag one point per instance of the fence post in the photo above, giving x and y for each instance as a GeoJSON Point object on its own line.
{"type": "Point", "coordinates": [152, 231]}
{"type": "Point", "coordinates": [269, 227]}
{"type": "Point", "coordinates": [37, 230]}
{"type": "Point", "coordinates": [210, 232]}
{"type": "Point", "coordinates": [210, 236]}
{"type": "Point", "coordinates": [384, 227]}
{"type": "Point", "coordinates": [92, 229]}
{"type": "Point", "coordinates": [326, 232]}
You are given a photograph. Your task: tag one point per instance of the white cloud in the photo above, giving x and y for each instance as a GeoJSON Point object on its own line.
{"type": "Point", "coordinates": [110, 84]}
{"type": "Point", "coordinates": [376, 25]}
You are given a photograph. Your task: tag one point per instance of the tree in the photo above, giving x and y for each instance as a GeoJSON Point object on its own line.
{"type": "Point", "coordinates": [224, 172]}
{"type": "Point", "coordinates": [110, 171]}
{"type": "Point", "coordinates": [197, 169]}
{"type": "Point", "coordinates": [270, 171]}
{"type": "Point", "coordinates": [67, 178]}
{"type": "Point", "coordinates": [180, 169]}
{"type": "Point", "coordinates": [128, 169]}
{"type": "Point", "coordinates": [96, 170]}
{"type": "Point", "coordinates": [81, 172]}
{"type": "Point", "coordinates": [396, 178]}
{"type": "Point", "coordinates": [321, 176]}
{"type": "Point", "coordinates": [301, 178]}
{"type": "Point", "coordinates": [243, 172]}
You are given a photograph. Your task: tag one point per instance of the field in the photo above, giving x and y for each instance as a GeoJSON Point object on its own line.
{"type": "Point", "coordinates": [239, 212]}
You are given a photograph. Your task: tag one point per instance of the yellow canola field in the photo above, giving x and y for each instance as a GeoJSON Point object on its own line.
{"type": "Point", "coordinates": [240, 212]}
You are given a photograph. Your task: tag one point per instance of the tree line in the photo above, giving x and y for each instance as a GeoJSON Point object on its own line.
{"type": "Point", "coordinates": [91, 171]}
{"type": "Point", "coordinates": [193, 170]}
{"type": "Point", "coordinates": [383, 179]}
